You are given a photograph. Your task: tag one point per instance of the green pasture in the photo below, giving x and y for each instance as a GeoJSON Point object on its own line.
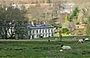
{"type": "Point", "coordinates": [43, 49]}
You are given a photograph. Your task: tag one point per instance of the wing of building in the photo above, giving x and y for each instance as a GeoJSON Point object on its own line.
{"type": "Point", "coordinates": [40, 31]}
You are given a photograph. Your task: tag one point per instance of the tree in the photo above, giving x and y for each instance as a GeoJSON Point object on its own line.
{"type": "Point", "coordinates": [9, 18]}
{"type": "Point", "coordinates": [58, 28]}
{"type": "Point", "coordinates": [74, 14]}
{"type": "Point", "coordinates": [65, 31]}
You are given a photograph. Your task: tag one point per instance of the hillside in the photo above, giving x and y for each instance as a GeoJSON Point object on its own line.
{"type": "Point", "coordinates": [44, 3]}
{"type": "Point", "coordinates": [81, 3]}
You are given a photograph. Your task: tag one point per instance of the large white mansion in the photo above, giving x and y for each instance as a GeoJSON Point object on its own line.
{"type": "Point", "coordinates": [40, 31]}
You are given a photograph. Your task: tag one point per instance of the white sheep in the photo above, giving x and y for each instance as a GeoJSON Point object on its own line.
{"type": "Point", "coordinates": [86, 39]}
{"type": "Point", "coordinates": [66, 47]}
{"type": "Point", "coordinates": [81, 40]}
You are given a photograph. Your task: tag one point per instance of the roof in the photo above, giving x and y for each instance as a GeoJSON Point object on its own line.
{"type": "Point", "coordinates": [39, 26]}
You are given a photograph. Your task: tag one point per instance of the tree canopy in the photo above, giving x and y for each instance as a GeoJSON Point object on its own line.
{"type": "Point", "coordinates": [10, 20]}
{"type": "Point", "coordinates": [74, 13]}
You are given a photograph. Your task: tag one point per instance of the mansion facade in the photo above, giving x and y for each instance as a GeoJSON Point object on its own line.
{"type": "Point", "coordinates": [40, 31]}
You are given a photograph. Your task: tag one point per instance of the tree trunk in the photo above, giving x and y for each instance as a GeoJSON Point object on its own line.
{"type": "Point", "coordinates": [5, 33]}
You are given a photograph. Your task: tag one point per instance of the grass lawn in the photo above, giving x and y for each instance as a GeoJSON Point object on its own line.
{"type": "Point", "coordinates": [43, 49]}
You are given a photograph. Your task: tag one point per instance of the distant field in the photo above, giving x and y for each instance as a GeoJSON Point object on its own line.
{"type": "Point", "coordinates": [43, 49]}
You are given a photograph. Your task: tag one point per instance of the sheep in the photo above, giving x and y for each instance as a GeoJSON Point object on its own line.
{"type": "Point", "coordinates": [86, 39]}
{"type": "Point", "coordinates": [81, 40]}
{"type": "Point", "coordinates": [66, 47]}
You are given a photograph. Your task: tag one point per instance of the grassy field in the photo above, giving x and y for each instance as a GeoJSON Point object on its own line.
{"type": "Point", "coordinates": [43, 49]}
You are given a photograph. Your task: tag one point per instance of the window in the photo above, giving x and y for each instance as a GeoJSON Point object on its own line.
{"type": "Point", "coordinates": [42, 31]}
{"type": "Point", "coordinates": [45, 30]}
{"type": "Point", "coordinates": [49, 30]}
{"type": "Point", "coordinates": [36, 30]}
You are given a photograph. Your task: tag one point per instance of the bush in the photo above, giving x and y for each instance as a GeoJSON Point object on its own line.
{"type": "Point", "coordinates": [65, 30]}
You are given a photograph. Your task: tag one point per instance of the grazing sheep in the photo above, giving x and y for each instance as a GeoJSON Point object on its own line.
{"type": "Point", "coordinates": [86, 39]}
{"type": "Point", "coordinates": [66, 47]}
{"type": "Point", "coordinates": [81, 40]}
